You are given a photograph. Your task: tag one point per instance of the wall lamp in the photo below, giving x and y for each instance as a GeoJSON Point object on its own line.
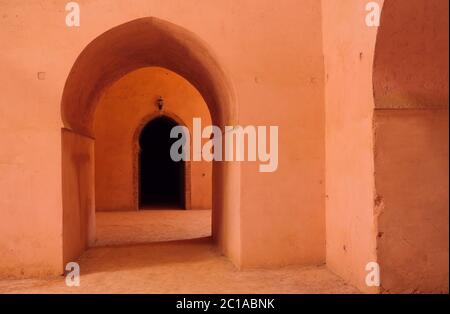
{"type": "Point", "coordinates": [160, 103]}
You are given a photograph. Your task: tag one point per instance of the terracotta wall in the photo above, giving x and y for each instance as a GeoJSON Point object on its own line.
{"type": "Point", "coordinates": [281, 83]}
{"type": "Point", "coordinates": [411, 60]}
{"type": "Point", "coordinates": [351, 231]}
{"type": "Point", "coordinates": [122, 111]}
{"type": "Point", "coordinates": [78, 195]}
{"type": "Point", "coordinates": [411, 146]}
{"type": "Point", "coordinates": [271, 80]}
{"type": "Point", "coordinates": [30, 145]}
{"type": "Point", "coordinates": [305, 66]}
{"type": "Point", "coordinates": [412, 183]}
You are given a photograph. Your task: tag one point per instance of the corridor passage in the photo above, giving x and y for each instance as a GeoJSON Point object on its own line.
{"type": "Point", "coordinates": [125, 262]}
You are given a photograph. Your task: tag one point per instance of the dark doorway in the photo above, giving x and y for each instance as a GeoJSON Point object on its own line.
{"type": "Point", "coordinates": [161, 179]}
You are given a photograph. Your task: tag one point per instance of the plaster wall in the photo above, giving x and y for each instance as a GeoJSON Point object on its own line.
{"type": "Point", "coordinates": [412, 183]}
{"type": "Point", "coordinates": [30, 146]}
{"type": "Point", "coordinates": [281, 83]}
{"type": "Point", "coordinates": [411, 61]}
{"type": "Point", "coordinates": [350, 215]}
{"type": "Point", "coordinates": [411, 146]}
{"type": "Point", "coordinates": [78, 195]}
{"type": "Point", "coordinates": [121, 112]}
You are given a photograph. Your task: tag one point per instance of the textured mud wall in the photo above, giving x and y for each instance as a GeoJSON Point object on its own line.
{"type": "Point", "coordinates": [78, 194]}
{"type": "Point", "coordinates": [411, 60]}
{"type": "Point", "coordinates": [411, 145]}
{"type": "Point", "coordinates": [30, 145]}
{"type": "Point", "coordinates": [122, 111]}
{"type": "Point", "coordinates": [351, 232]}
{"type": "Point", "coordinates": [412, 184]}
{"type": "Point", "coordinates": [281, 84]}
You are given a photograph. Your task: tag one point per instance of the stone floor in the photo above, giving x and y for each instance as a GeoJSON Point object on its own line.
{"type": "Point", "coordinates": [171, 252]}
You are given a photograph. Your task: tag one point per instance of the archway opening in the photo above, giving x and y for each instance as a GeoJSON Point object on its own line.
{"type": "Point", "coordinates": [146, 42]}
{"type": "Point", "coordinates": [161, 179]}
{"type": "Point", "coordinates": [141, 195]}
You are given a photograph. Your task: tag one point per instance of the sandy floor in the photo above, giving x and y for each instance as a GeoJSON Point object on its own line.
{"type": "Point", "coordinates": [121, 264]}
{"type": "Point", "coordinates": [152, 226]}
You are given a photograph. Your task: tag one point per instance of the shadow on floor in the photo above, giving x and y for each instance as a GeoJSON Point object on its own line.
{"type": "Point", "coordinates": [126, 257]}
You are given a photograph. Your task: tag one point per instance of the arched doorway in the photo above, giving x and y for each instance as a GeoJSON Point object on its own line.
{"type": "Point", "coordinates": [161, 180]}
{"type": "Point", "coordinates": [145, 42]}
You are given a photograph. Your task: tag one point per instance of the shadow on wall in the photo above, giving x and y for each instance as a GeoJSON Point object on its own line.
{"type": "Point", "coordinates": [411, 146]}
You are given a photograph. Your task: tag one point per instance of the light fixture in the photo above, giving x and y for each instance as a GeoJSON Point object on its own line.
{"type": "Point", "coordinates": [160, 103]}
